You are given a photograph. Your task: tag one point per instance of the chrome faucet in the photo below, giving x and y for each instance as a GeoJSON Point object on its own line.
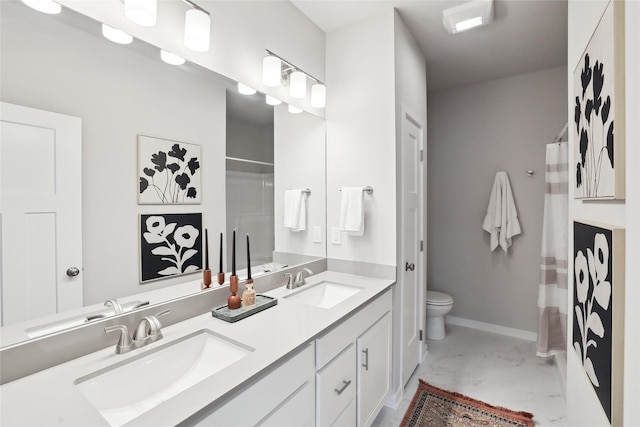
{"type": "Point", "coordinates": [115, 304]}
{"type": "Point", "coordinates": [299, 279]}
{"type": "Point", "coordinates": [148, 331]}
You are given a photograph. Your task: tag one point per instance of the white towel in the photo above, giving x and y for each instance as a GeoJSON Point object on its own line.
{"type": "Point", "coordinates": [295, 210]}
{"type": "Point", "coordinates": [501, 220]}
{"type": "Point", "coordinates": [352, 210]}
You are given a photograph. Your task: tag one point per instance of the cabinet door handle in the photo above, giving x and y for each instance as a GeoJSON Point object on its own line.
{"type": "Point", "coordinates": [409, 267]}
{"type": "Point", "coordinates": [345, 384]}
{"type": "Point", "coordinates": [365, 364]}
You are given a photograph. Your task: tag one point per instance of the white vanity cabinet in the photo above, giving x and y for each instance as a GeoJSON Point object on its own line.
{"type": "Point", "coordinates": [284, 396]}
{"type": "Point", "coordinates": [354, 367]}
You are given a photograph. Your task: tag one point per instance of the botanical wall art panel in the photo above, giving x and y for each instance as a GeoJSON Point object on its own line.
{"type": "Point", "coordinates": [168, 171]}
{"type": "Point", "coordinates": [170, 245]}
{"type": "Point", "coordinates": [598, 310]}
{"type": "Point", "coordinates": [598, 127]}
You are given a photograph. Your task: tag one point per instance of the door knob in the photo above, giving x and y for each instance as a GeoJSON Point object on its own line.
{"type": "Point", "coordinates": [409, 267]}
{"type": "Point", "coordinates": [73, 271]}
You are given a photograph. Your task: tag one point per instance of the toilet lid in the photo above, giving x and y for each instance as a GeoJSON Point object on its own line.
{"type": "Point", "coordinates": [438, 298]}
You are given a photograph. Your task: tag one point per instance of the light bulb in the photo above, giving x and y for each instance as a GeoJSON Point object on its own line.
{"type": "Point", "coordinates": [171, 58]}
{"type": "Point", "coordinates": [115, 35]}
{"type": "Point", "coordinates": [318, 95]}
{"type": "Point", "coordinates": [272, 101]}
{"type": "Point", "coordinates": [45, 6]}
{"type": "Point", "coordinates": [245, 90]}
{"type": "Point", "coordinates": [298, 85]}
{"type": "Point", "coordinates": [197, 30]}
{"type": "Point", "coordinates": [271, 69]}
{"type": "Point", "coordinates": [142, 12]}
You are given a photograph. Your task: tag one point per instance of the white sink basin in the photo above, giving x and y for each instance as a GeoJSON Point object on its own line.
{"type": "Point", "coordinates": [324, 294]}
{"type": "Point", "coordinates": [126, 390]}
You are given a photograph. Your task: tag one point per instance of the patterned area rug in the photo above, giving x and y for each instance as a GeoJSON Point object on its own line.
{"type": "Point", "coordinates": [434, 407]}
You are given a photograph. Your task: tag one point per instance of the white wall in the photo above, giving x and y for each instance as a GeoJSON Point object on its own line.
{"type": "Point", "coordinates": [361, 135]}
{"type": "Point", "coordinates": [240, 31]}
{"type": "Point", "coordinates": [474, 132]}
{"type": "Point", "coordinates": [300, 152]}
{"type": "Point", "coordinates": [118, 94]}
{"type": "Point", "coordinates": [583, 407]}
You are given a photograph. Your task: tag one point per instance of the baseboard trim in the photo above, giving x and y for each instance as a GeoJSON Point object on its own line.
{"type": "Point", "coordinates": [561, 370]}
{"type": "Point", "coordinates": [490, 327]}
{"type": "Point", "coordinates": [394, 398]}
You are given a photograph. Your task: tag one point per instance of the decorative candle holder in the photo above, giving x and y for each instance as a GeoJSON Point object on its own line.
{"type": "Point", "coordinates": [234, 301]}
{"type": "Point", "coordinates": [206, 279]}
{"type": "Point", "coordinates": [220, 278]}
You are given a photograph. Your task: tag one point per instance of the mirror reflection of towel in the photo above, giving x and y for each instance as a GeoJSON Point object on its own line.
{"type": "Point", "coordinates": [295, 210]}
{"type": "Point", "coordinates": [501, 220]}
{"type": "Point", "coordinates": [352, 210]}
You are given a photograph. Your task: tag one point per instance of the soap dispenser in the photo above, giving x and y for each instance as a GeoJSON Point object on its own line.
{"type": "Point", "coordinates": [249, 294]}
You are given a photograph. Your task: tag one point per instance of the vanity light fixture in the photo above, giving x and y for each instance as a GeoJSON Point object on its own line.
{"type": "Point", "coordinates": [171, 58]}
{"type": "Point", "coordinates": [45, 6]}
{"type": "Point", "coordinates": [271, 100]}
{"type": "Point", "coordinates": [468, 15]}
{"type": "Point", "coordinates": [294, 110]}
{"type": "Point", "coordinates": [197, 28]}
{"type": "Point", "coordinates": [245, 90]}
{"type": "Point", "coordinates": [142, 12]}
{"type": "Point", "coordinates": [276, 71]}
{"type": "Point", "coordinates": [115, 35]}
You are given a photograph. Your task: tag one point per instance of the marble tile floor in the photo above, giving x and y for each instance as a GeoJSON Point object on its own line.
{"type": "Point", "coordinates": [499, 370]}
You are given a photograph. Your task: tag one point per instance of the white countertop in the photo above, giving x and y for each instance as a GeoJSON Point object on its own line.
{"type": "Point", "coordinates": [51, 398]}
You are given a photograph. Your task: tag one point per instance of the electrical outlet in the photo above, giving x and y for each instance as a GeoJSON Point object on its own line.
{"type": "Point", "coordinates": [317, 234]}
{"type": "Point", "coordinates": [336, 235]}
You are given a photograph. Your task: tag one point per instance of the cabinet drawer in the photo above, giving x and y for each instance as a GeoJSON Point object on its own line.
{"type": "Point", "coordinates": [336, 387]}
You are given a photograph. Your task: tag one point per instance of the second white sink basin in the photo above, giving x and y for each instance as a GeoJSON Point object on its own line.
{"type": "Point", "coordinates": [324, 294]}
{"type": "Point", "coordinates": [126, 390]}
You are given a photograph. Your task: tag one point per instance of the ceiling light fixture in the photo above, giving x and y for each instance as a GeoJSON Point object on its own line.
{"type": "Point", "coordinates": [276, 71]}
{"type": "Point", "coordinates": [294, 110]}
{"type": "Point", "coordinates": [45, 6]}
{"type": "Point", "coordinates": [115, 35]}
{"type": "Point", "coordinates": [197, 28]}
{"type": "Point", "coordinates": [468, 15]}
{"type": "Point", "coordinates": [271, 100]}
{"type": "Point", "coordinates": [245, 90]}
{"type": "Point", "coordinates": [142, 12]}
{"type": "Point", "coordinates": [171, 58]}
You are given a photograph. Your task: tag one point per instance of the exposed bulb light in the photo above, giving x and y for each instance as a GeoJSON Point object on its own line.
{"type": "Point", "coordinates": [294, 110]}
{"type": "Point", "coordinates": [271, 100]}
{"type": "Point", "coordinates": [197, 30]}
{"type": "Point", "coordinates": [318, 95]}
{"type": "Point", "coordinates": [142, 12]}
{"type": "Point", "coordinates": [115, 35]}
{"type": "Point", "coordinates": [171, 58]}
{"type": "Point", "coordinates": [271, 69]}
{"type": "Point", "coordinates": [45, 6]}
{"type": "Point", "coordinates": [298, 84]}
{"type": "Point", "coordinates": [469, 15]}
{"type": "Point", "coordinates": [245, 90]}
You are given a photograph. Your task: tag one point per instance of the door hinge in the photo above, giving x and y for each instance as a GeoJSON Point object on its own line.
{"type": "Point", "coordinates": [420, 334]}
{"type": "Point", "coordinates": [421, 245]}
{"type": "Point", "coordinates": [421, 155]}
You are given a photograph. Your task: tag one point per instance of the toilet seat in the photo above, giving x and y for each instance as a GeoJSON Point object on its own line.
{"type": "Point", "coordinates": [438, 298]}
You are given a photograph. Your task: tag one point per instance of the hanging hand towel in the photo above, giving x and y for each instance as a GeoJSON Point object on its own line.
{"type": "Point", "coordinates": [352, 210]}
{"type": "Point", "coordinates": [295, 210]}
{"type": "Point", "coordinates": [501, 220]}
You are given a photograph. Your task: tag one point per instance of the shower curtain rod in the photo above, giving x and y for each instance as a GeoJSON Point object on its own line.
{"type": "Point", "coordinates": [562, 132]}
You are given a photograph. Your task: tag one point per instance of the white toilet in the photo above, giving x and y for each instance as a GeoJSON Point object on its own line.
{"type": "Point", "coordinates": [438, 304]}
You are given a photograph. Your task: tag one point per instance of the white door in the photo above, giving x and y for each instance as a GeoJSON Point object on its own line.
{"type": "Point", "coordinates": [41, 211]}
{"type": "Point", "coordinates": [412, 266]}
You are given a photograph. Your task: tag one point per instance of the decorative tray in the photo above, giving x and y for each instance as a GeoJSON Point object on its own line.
{"type": "Point", "coordinates": [229, 315]}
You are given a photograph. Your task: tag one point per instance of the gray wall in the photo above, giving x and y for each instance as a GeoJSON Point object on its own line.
{"type": "Point", "coordinates": [473, 132]}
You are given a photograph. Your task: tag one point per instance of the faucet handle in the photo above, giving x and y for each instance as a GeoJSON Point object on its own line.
{"type": "Point", "coordinates": [155, 327]}
{"type": "Point", "coordinates": [289, 277]}
{"type": "Point", "coordinates": [124, 342]}
{"type": "Point", "coordinates": [117, 308]}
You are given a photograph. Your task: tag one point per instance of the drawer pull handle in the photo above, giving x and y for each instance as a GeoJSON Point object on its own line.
{"type": "Point", "coordinates": [365, 365]}
{"type": "Point", "coordinates": [345, 384]}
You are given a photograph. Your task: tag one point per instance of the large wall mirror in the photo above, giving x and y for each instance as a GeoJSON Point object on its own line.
{"type": "Point", "coordinates": [251, 154]}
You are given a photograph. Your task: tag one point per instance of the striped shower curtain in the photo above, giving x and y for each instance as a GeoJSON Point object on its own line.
{"type": "Point", "coordinates": [552, 288]}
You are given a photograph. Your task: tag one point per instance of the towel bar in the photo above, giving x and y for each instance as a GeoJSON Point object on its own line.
{"type": "Point", "coordinates": [368, 189]}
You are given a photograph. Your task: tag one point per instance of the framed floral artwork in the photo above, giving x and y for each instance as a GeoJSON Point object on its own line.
{"type": "Point", "coordinates": [168, 171]}
{"type": "Point", "coordinates": [598, 123]}
{"type": "Point", "coordinates": [170, 245]}
{"type": "Point", "coordinates": [598, 310]}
